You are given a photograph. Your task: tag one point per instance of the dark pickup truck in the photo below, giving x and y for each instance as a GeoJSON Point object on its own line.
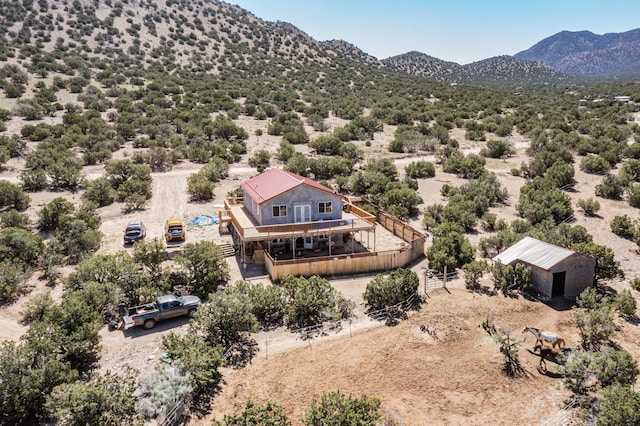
{"type": "Point", "coordinates": [165, 307]}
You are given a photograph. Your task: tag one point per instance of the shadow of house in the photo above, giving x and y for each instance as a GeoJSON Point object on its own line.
{"type": "Point", "coordinates": [555, 271]}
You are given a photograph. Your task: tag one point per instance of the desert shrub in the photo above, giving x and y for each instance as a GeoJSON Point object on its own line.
{"type": "Point", "coordinates": [396, 288]}
{"type": "Point", "coordinates": [285, 151]}
{"type": "Point", "coordinates": [20, 246]}
{"type": "Point", "coordinates": [102, 399]}
{"type": "Point", "coordinates": [338, 409]}
{"type": "Point", "coordinates": [631, 168]}
{"type": "Point", "coordinates": [561, 174]}
{"type": "Point", "coordinates": [540, 200]}
{"type": "Point", "coordinates": [312, 301]}
{"type": "Point", "coordinates": [14, 219]}
{"type": "Point", "coordinates": [326, 145]}
{"type": "Point", "coordinates": [450, 248]}
{"type": "Point", "coordinates": [635, 284]}
{"type": "Point", "coordinates": [607, 267]}
{"type": "Point", "coordinates": [268, 414]}
{"type": "Point", "coordinates": [37, 307]}
{"type": "Point", "coordinates": [589, 207]}
{"type": "Point", "coordinates": [260, 159]}
{"type": "Point", "coordinates": [623, 226]}
{"type": "Point", "coordinates": [496, 149]}
{"type": "Point", "coordinates": [199, 358]}
{"type": "Point", "coordinates": [594, 164]}
{"type": "Point", "coordinates": [12, 280]}
{"type": "Point", "coordinates": [596, 327]}
{"type": "Point", "coordinates": [11, 196]}
{"type": "Point", "coordinates": [625, 303]}
{"type": "Point", "coordinates": [267, 302]}
{"type": "Point", "coordinates": [510, 278]}
{"type": "Point", "coordinates": [199, 187]}
{"type": "Point", "coordinates": [620, 405]}
{"type": "Point", "coordinates": [205, 266]}
{"type": "Point", "coordinates": [612, 187]}
{"type": "Point", "coordinates": [77, 235]}
{"type": "Point", "coordinates": [226, 318]}
{"type": "Point", "coordinates": [34, 179]}
{"type": "Point", "coordinates": [100, 192]}
{"type": "Point", "coordinates": [52, 212]}
{"type": "Point", "coordinates": [633, 196]}
{"type": "Point", "coordinates": [420, 169]}
{"type": "Point", "coordinates": [473, 271]}
{"type": "Point", "coordinates": [161, 389]}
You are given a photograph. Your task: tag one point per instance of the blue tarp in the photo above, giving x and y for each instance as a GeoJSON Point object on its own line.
{"type": "Point", "coordinates": [202, 220]}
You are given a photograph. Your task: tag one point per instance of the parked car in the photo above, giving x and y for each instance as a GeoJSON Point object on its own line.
{"type": "Point", "coordinates": [135, 231]}
{"type": "Point", "coordinates": [165, 307]}
{"type": "Point", "coordinates": [174, 230]}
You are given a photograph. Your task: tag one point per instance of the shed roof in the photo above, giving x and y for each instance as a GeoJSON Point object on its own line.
{"type": "Point", "coordinates": [534, 252]}
{"type": "Point", "coordinates": [275, 182]}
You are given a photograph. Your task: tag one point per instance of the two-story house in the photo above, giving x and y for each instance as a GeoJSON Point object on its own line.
{"type": "Point", "coordinates": [293, 224]}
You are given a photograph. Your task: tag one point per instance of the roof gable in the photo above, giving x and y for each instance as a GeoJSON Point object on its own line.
{"type": "Point", "coordinates": [275, 182]}
{"type": "Point", "coordinates": [534, 252]}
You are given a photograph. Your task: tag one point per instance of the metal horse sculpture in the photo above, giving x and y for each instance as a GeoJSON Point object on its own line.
{"type": "Point", "coordinates": [543, 336]}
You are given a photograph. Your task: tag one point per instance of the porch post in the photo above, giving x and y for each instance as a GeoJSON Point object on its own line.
{"type": "Point", "coordinates": [293, 247]}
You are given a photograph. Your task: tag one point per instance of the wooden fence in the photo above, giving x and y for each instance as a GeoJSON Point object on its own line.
{"type": "Point", "coordinates": [344, 264]}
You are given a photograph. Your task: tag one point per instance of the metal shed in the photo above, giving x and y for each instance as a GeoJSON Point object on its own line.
{"type": "Point", "coordinates": [555, 271]}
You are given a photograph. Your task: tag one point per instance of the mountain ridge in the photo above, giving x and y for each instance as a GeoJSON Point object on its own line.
{"type": "Point", "coordinates": [585, 54]}
{"type": "Point", "coordinates": [215, 36]}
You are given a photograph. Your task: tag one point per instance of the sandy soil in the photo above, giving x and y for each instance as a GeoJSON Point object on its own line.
{"type": "Point", "coordinates": [453, 378]}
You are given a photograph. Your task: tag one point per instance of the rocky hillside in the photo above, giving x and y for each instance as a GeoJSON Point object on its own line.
{"type": "Point", "coordinates": [497, 69]}
{"type": "Point", "coordinates": [422, 65]}
{"type": "Point", "coordinates": [584, 53]}
{"type": "Point", "coordinates": [206, 35]}
{"type": "Point", "coordinates": [510, 69]}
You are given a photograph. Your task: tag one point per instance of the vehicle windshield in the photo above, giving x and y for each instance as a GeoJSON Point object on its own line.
{"type": "Point", "coordinates": [175, 229]}
{"type": "Point", "coordinates": [133, 232]}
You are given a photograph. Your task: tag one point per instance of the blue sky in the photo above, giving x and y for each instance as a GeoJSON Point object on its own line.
{"type": "Point", "coordinates": [461, 31]}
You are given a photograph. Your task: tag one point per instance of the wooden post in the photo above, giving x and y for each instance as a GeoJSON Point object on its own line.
{"type": "Point", "coordinates": [444, 277]}
{"type": "Point", "coordinates": [426, 271]}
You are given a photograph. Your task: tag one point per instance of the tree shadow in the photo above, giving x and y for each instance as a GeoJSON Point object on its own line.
{"type": "Point", "coordinates": [632, 319]}
{"type": "Point", "coordinates": [241, 354]}
{"type": "Point", "coordinates": [483, 290]}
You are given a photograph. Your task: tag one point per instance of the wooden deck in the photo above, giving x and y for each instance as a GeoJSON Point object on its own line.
{"type": "Point", "coordinates": [249, 231]}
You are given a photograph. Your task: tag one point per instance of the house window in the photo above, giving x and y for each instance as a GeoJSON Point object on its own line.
{"type": "Point", "coordinates": [325, 207]}
{"type": "Point", "coordinates": [279, 211]}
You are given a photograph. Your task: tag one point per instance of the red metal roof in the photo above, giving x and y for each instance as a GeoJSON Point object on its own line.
{"type": "Point", "coordinates": [275, 182]}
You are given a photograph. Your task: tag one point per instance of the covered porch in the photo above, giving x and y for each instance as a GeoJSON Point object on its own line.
{"type": "Point", "coordinates": [353, 233]}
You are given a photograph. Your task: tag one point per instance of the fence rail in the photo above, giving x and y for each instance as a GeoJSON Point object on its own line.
{"type": "Point", "coordinates": [174, 414]}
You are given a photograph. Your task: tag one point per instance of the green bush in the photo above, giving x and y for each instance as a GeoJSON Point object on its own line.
{"type": "Point", "coordinates": [382, 292]}
{"type": "Point", "coordinates": [12, 196]}
{"type": "Point", "coordinates": [623, 226]}
{"type": "Point", "coordinates": [625, 303]}
{"type": "Point", "coordinates": [420, 169]}
{"type": "Point", "coordinates": [12, 280]}
{"type": "Point", "coordinates": [313, 300]}
{"type": "Point", "coordinates": [594, 164]}
{"type": "Point", "coordinates": [37, 307]}
{"type": "Point", "coordinates": [496, 149]}
{"type": "Point", "coordinates": [335, 408]}
{"type": "Point", "coordinates": [589, 207]}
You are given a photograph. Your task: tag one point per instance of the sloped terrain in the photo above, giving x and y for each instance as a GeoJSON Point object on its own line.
{"type": "Point", "coordinates": [583, 53]}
